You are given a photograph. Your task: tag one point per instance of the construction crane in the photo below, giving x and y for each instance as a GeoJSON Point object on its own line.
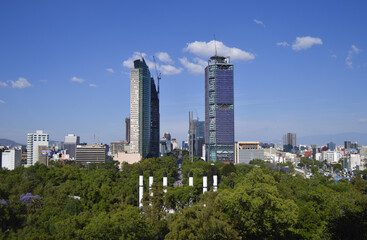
{"type": "Point", "coordinates": [158, 74]}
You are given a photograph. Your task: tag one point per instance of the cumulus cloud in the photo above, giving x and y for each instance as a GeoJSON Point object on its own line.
{"type": "Point", "coordinates": [207, 49]}
{"type": "Point", "coordinates": [110, 70]}
{"type": "Point", "coordinates": [2, 101]}
{"type": "Point", "coordinates": [92, 85]}
{"type": "Point", "coordinates": [129, 63]}
{"type": "Point", "coordinates": [196, 67]}
{"type": "Point", "coordinates": [76, 79]}
{"type": "Point", "coordinates": [283, 44]}
{"type": "Point", "coordinates": [164, 57]}
{"type": "Point", "coordinates": [170, 70]}
{"type": "Point", "coordinates": [3, 84]}
{"type": "Point", "coordinates": [353, 51]}
{"type": "Point", "coordinates": [20, 83]}
{"type": "Point", "coordinates": [303, 43]}
{"type": "Point", "coordinates": [165, 69]}
{"type": "Point", "coordinates": [259, 22]}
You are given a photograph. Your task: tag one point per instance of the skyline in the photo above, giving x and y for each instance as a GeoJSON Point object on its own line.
{"type": "Point", "coordinates": [298, 67]}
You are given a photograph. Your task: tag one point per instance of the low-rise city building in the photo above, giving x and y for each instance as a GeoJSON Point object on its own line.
{"type": "Point", "coordinates": [96, 153]}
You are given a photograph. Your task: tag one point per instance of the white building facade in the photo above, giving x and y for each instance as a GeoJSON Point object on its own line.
{"type": "Point", "coordinates": [11, 158]}
{"type": "Point", "coordinates": [34, 140]}
{"type": "Point", "coordinates": [332, 156]}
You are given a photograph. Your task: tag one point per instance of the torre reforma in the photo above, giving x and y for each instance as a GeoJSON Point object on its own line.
{"type": "Point", "coordinates": [219, 110]}
{"type": "Point", "coordinates": [144, 112]}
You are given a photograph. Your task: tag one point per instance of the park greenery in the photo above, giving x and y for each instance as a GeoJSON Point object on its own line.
{"type": "Point", "coordinates": [254, 201]}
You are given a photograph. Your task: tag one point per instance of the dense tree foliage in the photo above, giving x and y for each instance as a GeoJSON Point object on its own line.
{"type": "Point", "coordinates": [253, 201]}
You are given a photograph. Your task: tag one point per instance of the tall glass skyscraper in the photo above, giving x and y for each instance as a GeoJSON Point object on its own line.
{"type": "Point", "coordinates": [154, 121]}
{"type": "Point", "coordinates": [140, 100]}
{"type": "Point", "coordinates": [219, 110]}
{"type": "Point", "coordinates": [144, 112]}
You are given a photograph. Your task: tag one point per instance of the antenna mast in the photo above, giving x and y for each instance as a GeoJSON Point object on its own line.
{"type": "Point", "coordinates": [215, 45]}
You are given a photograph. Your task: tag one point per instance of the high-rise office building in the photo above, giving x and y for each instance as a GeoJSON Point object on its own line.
{"type": "Point", "coordinates": [70, 143]}
{"type": "Point", "coordinates": [219, 110]}
{"type": "Point", "coordinates": [34, 140]}
{"type": "Point", "coordinates": [154, 120]}
{"type": "Point", "coordinates": [144, 111]}
{"type": "Point", "coordinates": [289, 142]}
{"type": "Point", "coordinates": [191, 138]}
{"type": "Point", "coordinates": [196, 136]}
{"type": "Point", "coordinates": [200, 136]}
{"type": "Point", "coordinates": [127, 130]}
{"type": "Point", "coordinates": [347, 145]}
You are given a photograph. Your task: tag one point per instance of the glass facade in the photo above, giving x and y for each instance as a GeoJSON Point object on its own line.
{"type": "Point", "coordinates": [140, 115]}
{"type": "Point", "coordinates": [219, 110]}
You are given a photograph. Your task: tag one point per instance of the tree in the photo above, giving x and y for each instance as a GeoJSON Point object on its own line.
{"type": "Point", "coordinates": [257, 210]}
{"type": "Point", "coordinates": [202, 221]}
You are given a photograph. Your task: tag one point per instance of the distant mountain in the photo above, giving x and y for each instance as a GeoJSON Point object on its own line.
{"type": "Point", "coordinates": [338, 138]}
{"type": "Point", "coordinates": [7, 142]}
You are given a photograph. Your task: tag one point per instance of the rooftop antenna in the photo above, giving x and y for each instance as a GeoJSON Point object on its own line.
{"type": "Point", "coordinates": [215, 45]}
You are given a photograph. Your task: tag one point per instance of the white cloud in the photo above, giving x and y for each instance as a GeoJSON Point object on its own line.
{"type": "Point", "coordinates": [303, 43]}
{"type": "Point", "coordinates": [353, 51]}
{"type": "Point", "coordinates": [44, 80]}
{"type": "Point", "coordinates": [170, 70]}
{"type": "Point", "coordinates": [333, 56]}
{"type": "Point", "coordinates": [92, 85]}
{"type": "Point", "coordinates": [283, 44]}
{"type": "Point", "coordinates": [164, 57]}
{"type": "Point", "coordinates": [20, 83]}
{"type": "Point", "coordinates": [194, 68]}
{"type": "Point", "coordinates": [76, 79]}
{"type": "Point", "coordinates": [363, 120]}
{"type": "Point", "coordinates": [207, 49]}
{"type": "Point", "coordinates": [165, 69]}
{"type": "Point", "coordinates": [3, 84]}
{"type": "Point", "coordinates": [129, 63]}
{"type": "Point", "coordinates": [259, 22]}
{"type": "Point", "coordinates": [2, 101]}
{"type": "Point", "coordinates": [110, 70]}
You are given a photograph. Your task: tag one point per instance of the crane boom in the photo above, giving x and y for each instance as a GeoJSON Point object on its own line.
{"type": "Point", "coordinates": [158, 75]}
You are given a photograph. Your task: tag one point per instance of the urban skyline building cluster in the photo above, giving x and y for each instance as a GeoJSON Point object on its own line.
{"type": "Point", "coordinates": [212, 139]}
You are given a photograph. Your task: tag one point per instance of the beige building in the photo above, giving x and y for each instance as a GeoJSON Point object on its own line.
{"type": "Point", "coordinates": [130, 158]}
{"type": "Point", "coordinates": [91, 153]}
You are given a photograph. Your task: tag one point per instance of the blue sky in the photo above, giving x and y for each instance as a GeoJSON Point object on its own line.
{"type": "Point", "coordinates": [300, 66]}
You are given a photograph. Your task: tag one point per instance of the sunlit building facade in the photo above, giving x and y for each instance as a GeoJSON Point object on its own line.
{"type": "Point", "coordinates": [219, 110]}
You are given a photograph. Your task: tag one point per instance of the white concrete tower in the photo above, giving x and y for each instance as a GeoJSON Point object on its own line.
{"type": "Point", "coordinates": [205, 183]}
{"type": "Point", "coordinates": [215, 181]}
{"type": "Point", "coordinates": [164, 182]}
{"type": "Point", "coordinates": [151, 183]}
{"type": "Point", "coordinates": [35, 140]}
{"type": "Point", "coordinates": [191, 180]}
{"type": "Point", "coordinates": [141, 188]}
